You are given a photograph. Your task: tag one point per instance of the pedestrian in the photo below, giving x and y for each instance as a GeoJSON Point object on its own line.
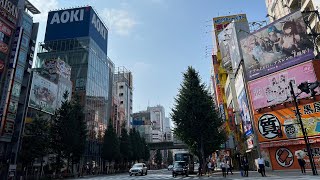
{"type": "Point", "coordinates": [200, 169]}
{"type": "Point", "coordinates": [212, 167]}
{"type": "Point", "coordinates": [223, 167]}
{"type": "Point", "coordinates": [262, 169]}
{"type": "Point", "coordinates": [245, 166]}
{"type": "Point", "coordinates": [229, 165]}
{"type": "Point", "coordinates": [209, 168]}
{"type": "Point", "coordinates": [302, 164]}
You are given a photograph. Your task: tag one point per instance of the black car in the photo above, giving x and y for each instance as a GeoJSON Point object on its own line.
{"type": "Point", "coordinates": [180, 168]}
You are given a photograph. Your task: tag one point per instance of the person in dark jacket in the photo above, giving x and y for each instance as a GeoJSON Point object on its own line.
{"type": "Point", "coordinates": [245, 166]}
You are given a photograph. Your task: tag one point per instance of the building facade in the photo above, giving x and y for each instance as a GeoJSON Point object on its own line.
{"type": "Point", "coordinates": [85, 50]}
{"type": "Point", "coordinates": [123, 89]}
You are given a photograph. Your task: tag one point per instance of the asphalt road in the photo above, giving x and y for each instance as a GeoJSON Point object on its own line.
{"type": "Point", "coordinates": [165, 174]}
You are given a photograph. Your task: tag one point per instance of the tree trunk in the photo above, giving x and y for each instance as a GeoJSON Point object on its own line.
{"type": "Point", "coordinates": [202, 153]}
{"type": "Point", "coordinates": [41, 167]}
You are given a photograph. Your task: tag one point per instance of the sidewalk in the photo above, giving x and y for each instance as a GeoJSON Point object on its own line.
{"type": "Point", "coordinates": [284, 173]}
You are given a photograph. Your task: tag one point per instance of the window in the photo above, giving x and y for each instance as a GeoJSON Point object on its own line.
{"type": "Point", "coordinates": [121, 102]}
{"type": "Point", "coordinates": [120, 94]}
{"type": "Point", "coordinates": [121, 87]}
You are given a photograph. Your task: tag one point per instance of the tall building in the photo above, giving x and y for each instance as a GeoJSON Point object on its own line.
{"type": "Point", "coordinates": [141, 122]}
{"type": "Point", "coordinates": [18, 36]}
{"type": "Point", "coordinates": [124, 88]}
{"type": "Point", "coordinates": [85, 50]}
{"type": "Point", "coordinates": [157, 116]}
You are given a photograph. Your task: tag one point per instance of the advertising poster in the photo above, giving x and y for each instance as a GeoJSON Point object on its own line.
{"type": "Point", "coordinates": [43, 94]}
{"type": "Point", "coordinates": [283, 125]}
{"type": "Point", "coordinates": [55, 67]}
{"type": "Point", "coordinates": [229, 43]}
{"type": "Point", "coordinates": [279, 45]}
{"type": "Point", "coordinates": [245, 113]}
{"type": "Point", "coordinates": [274, 89]}
{"type": "Point", "coordinates": [239, 81]}
{"type": "Point", "coordinates": [284, 158]}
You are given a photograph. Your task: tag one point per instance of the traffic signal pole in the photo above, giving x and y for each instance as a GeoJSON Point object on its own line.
{"type": "Point", "coordinates": [305, 136]}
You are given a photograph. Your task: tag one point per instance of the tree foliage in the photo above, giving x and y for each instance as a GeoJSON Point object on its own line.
{"type": "Point", "coordinates": [125, 145]}
{"type": "Point", "coordinates": [170, 157]}
{"type": "Point", "coordinates": [196, 119]}
{"type": "Point", "coordinates": [111, 145]}
{"type": "Point", "coordinates": [158, 158]}
{"type": "Point", "coordinates": [35, 142]}
{"type": "Point", "coordinates": [68, 132]}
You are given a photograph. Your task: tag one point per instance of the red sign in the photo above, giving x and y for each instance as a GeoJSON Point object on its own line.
{"type": "Point", "coordinates": [231, 123]}
{"type": "Point", "coordinates": [4, 48]}
{"type": "Point", "coordinates": [5, 29]}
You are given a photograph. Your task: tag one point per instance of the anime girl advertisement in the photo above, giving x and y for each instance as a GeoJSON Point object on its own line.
{"type": "Point", "coordinates": [245, 113]}
{"type": "Point", "coordinates": [279, 45]}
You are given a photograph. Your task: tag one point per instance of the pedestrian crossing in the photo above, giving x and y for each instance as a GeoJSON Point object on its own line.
{"type": "Point", "coordinates": [193, 177]}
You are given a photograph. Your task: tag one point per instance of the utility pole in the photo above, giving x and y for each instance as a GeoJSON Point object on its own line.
{"type": "Point", "coordinates": [305, 136]}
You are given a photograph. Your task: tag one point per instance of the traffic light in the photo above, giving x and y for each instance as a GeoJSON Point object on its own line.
{"type": "Point", "coordinates": [279, 132]}
{"type": "Point", "coordinates": [304, 87]}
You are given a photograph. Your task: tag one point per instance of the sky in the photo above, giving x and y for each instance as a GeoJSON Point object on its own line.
{"type": "Point", "coordinates": [158, 39]}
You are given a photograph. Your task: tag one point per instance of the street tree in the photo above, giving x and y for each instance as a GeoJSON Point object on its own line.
{"type": "Point", "coordinates": [125, 146]}
{"type": "Point", "coordinates": [158, 158]}
{"type": "Point", "coordinates": [111, 145]}
{"type": "Point", "coordinates": [197, 122]}
{"type": "Point", "coordinates": [170, 157]}
{"type": "Point", "coordinates": [134, 145]}
{"type": "Point", "coordinates": [35, 141]}
{"type": "Point", "coordinates": [146, 154]}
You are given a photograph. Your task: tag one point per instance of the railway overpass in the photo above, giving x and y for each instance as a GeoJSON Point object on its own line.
{"type": "Point", "coordinates": [166, 145]}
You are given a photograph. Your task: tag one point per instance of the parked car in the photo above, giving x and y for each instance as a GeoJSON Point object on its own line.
{"type": "Point", "coordinates": [170, 167]}
{"type": "Point", "coordinates": [138, 168]}
{"type": "Point", "coordinates": [180, 168]}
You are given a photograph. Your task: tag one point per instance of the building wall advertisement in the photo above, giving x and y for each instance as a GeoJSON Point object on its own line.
{"type": "Point", "coordinates": [43, 94]}
{"type": "Point", "coordinates": [284, 121]}
{"type": "Point", "coordinates": [245, 113]}
{"type": "Point", "coordinates": [274, 89]}
{"type": "Point", "coordinates": [279, 45]}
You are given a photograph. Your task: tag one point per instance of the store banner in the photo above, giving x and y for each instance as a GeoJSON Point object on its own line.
{"type": "Point", "coordinates": [283, 125]}
{"type": "Point", "coordinates": [274, 89]}
{"type": "Point", "coordinates": [279, 45]}
{"type": "Point", "coordinates": [284, 158]}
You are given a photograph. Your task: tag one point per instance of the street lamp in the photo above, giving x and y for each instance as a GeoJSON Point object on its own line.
{"type": "Point", "coordinates": [307, 88]}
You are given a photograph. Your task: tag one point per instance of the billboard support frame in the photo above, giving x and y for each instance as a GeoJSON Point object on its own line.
{"type": "Point", "coordinates": [313, 33]}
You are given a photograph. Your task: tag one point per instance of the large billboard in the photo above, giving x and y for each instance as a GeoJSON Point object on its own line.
{"type": "Point", "coordinates": [43, 94]}
{"type": "Point", "coordinates": [229, 43]}
{"type": "Point", "coordinates": [274, 89]}
{"type": "Point", "coordinates": [62, 24]}
{"type": "Point", "coordinates": [284, 120]}
{"type": "Point", "coordinates": [279, 45]}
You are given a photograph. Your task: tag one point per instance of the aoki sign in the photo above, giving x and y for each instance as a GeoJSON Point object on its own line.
{"type": "Point", "coordinates": [68, 16]}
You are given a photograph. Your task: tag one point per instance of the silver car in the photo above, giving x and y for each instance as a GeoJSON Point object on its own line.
{"type": "Point", "coordinates": [138, 168]}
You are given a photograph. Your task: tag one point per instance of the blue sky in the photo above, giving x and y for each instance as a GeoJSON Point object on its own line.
{"type": "Point", "coordinates": [158, 39]}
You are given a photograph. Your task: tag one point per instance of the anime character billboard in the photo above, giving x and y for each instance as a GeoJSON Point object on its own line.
{"type": "Point", "coordinates": [281, 44]}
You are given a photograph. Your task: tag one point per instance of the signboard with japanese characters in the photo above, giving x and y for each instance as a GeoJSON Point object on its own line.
{"type": "Point", "coordinates": [274, 89]}
{"type": "Point", "coordinates": [282, 124]}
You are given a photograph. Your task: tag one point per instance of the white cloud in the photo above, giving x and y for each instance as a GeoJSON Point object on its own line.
{"type": "Point", "coordinates": [44, 7]}
{"type": "Point", "coordinates": [119, 21]}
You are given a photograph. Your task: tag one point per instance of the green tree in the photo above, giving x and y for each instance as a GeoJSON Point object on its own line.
{"type": "Point", "coordinates": [125, 145]}
{"type": "Point", "coordinates": [134, 145]}
{"type": "Point", "coordinates": [68, 132]}
{"type": "Point", "coordinates": [111, 145]}
{"type": "Point", "coordinates": [35, 142]}
{"type": "Point", "coordinates": [196, 119]}
{"type": "Point", "coordinates": [146, 154]}
{"type": "Point", "coordinates": [158, 158]}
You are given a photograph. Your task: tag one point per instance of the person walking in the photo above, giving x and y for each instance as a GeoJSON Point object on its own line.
{"type": "Point", "coordinates": [223, 167]}
{"type": "Point", "coordinates": [245, 166]}
{"type": "Point", "coordinates": [262, 166]}
{"type": "Point", "coordinates": [209, 168]}
{"type": "Point", "coordinates": [302, 164]}
{"type": "Point", "coordinates": [229, 165]}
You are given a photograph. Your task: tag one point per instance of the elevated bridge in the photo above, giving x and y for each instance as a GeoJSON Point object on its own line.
{"type": "Point", "coordinates": [166, 145]}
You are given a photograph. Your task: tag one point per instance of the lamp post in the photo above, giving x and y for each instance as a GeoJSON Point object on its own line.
{"type": "Point", "coordinates": [304, 133]}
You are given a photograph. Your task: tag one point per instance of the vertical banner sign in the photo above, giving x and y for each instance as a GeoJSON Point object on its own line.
{"type": "Point", "coordinates": [5, 98]}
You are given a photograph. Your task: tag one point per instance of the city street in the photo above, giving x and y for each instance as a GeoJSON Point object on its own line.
{"type": "Point", "coordinates": [165, 174]}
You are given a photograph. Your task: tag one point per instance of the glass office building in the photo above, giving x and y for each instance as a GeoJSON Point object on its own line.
{"type": "Point", "coordinates": [85, 50]}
